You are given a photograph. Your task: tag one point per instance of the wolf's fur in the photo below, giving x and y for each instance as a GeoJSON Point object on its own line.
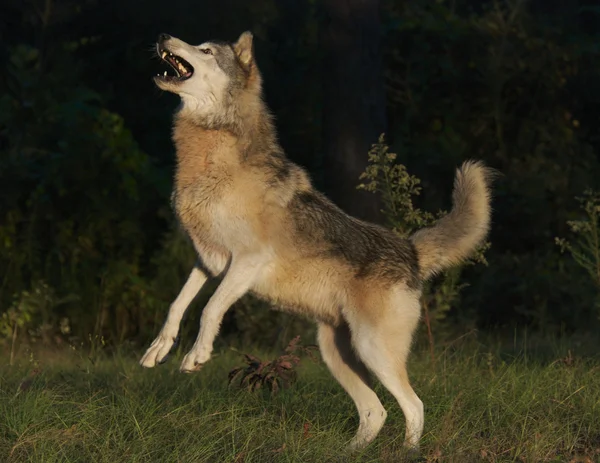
{"type": "Point", "coordinates": [256, 220]}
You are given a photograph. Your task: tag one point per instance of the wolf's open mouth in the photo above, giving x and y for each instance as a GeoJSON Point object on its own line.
{"type": "Point", "coordinates": [183, 69]}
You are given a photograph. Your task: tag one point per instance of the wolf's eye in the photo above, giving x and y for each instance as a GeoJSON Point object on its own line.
{"type": "Point", "coordinates": [206, 51]}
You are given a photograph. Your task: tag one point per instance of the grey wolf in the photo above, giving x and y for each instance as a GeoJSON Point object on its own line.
{"type": "Point", "coordinates": [257, 222]}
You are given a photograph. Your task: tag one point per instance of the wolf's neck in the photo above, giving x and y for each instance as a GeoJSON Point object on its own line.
{"type": "Point", "coordinates": [258, 132]}
{"type": "Point", "coordinates": [248, 122]}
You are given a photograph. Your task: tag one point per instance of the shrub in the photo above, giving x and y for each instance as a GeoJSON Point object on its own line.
{"type": "Point", "coordinates": [390, 179]}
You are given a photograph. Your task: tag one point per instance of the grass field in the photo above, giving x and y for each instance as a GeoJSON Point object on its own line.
{"type": "Point", "coordinates": [481, 404]}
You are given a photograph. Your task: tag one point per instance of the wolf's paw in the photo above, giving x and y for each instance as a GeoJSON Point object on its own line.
{"type": "Point", "coordinates": [158, 351]}
{"type": "Point", "coordinates": [371, 422]}
{"type": "Point", "coordinates": [193, 361]}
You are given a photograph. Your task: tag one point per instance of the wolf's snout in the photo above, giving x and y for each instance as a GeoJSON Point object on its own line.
{"type": "Point", "coordinates": [163, 37]}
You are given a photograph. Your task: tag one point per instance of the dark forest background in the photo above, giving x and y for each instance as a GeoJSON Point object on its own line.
{"type": "Point", "coordinates": [88, 244]}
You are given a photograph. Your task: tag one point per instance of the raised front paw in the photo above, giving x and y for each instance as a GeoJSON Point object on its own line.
{"type": "Point", "coordinates": [193, 361]}
{"type": "Point", "coordinates": [158, 351]}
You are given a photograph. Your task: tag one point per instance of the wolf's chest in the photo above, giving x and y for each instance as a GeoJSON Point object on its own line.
{"type": "Point", "coordinates": [196, 206]}
{"type": "Point", "coordinates": [214, 211]}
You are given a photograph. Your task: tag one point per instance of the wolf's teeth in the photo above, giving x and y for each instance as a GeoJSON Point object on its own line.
{"type": "Point", "coordinates": [164, 53]}
{"type": "Point", "coordinates": [165, 74]}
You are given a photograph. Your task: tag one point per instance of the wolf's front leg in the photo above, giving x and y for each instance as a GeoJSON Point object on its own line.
{"type": "Point", "coordinates": [237, 281]}
{"type": "Point", "coordinates": [161, 346]}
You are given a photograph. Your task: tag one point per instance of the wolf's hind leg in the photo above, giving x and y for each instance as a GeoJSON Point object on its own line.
{"type": "Point", "coordinates": [161, 346]}
{"type": "Point", "coordinates": [351, 373]}
{"type": "Point", "coordinates": [383, 345]}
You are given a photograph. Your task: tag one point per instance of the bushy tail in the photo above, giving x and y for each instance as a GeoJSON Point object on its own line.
{"type": "Point", "coordinates": [455, 236]}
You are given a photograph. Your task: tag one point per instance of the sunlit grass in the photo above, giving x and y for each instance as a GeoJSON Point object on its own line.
{"type": "Point", "coordinates": [481, 405]}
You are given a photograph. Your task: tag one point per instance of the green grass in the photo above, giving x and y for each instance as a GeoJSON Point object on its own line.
{"type": "Point", "coordinates": [481, 404]}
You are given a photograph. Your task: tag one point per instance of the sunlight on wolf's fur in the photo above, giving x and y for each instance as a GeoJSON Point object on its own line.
{"type": "Point", "coordinates": [255, 220]}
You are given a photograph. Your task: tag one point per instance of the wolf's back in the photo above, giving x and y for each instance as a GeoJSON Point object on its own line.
{"type": "Point", "coordinates": [455, 236]}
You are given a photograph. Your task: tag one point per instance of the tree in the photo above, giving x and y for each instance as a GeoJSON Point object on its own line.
{"type": "Point", "coordinates": [353, 99]}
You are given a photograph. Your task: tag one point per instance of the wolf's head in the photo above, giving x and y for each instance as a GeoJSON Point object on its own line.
{"type": "Point", "coordinates": [210, 77]}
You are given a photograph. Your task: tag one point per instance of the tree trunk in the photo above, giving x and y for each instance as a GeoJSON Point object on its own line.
{"type": "Point", "coordinates": [354, 100]}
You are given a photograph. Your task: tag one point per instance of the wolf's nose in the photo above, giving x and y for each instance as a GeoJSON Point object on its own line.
{"type": "Point", "coordinates": [162, 37]}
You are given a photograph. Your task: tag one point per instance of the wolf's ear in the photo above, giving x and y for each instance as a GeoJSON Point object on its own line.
{"type": "Point", "coordinates": [243, 48]}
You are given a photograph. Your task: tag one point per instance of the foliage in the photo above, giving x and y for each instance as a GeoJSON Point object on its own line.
{"type": "Point", "coordinates": [276, 374]}
{"type": "Point", "coordinates": [585, 249]}
{"type": "Point", "coordinates": [502, 82]}
{"type": "Point", "coordinates": [398, 189]}
{"type": "Point", "coordinates": [390, 179]}
{"type": "Point", "coordinates": [86, 156]}
{"type": "Point", "coordinates": [75, 191]}
{"type": "Point", "coordinates": [32, 308]}
{"type": "Point", "coordinates": [31, 313]}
